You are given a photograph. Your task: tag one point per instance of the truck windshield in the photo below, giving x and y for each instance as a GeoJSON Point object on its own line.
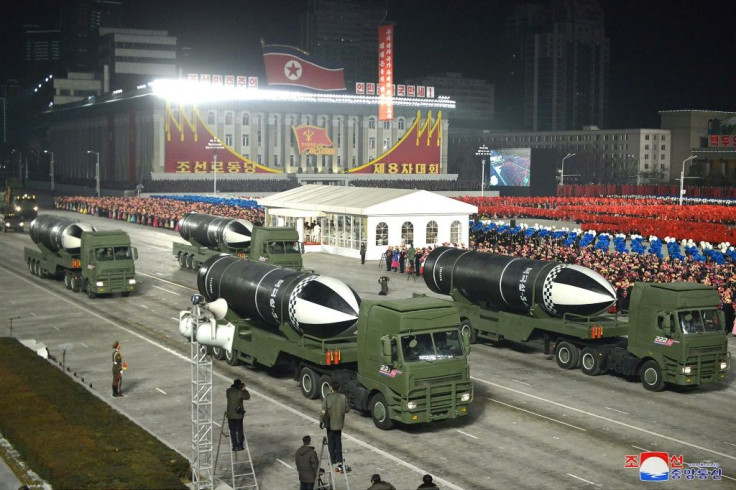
{"type": "Point", "coordinates": [106, 254]}
{"type": "Point", "coordinates": [431, 346]}
{"type": "Point", "coordinates": [700, 321]}
{"type": "Point", "coordinates": [283, 247]}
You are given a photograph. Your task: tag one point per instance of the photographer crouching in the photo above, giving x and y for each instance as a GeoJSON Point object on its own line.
{"type": "Point", "coordinates": [235, 413]}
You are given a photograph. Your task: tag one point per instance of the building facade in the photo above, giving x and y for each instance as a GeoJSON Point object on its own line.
{"type": "Point", "coordinates": [474, 98]}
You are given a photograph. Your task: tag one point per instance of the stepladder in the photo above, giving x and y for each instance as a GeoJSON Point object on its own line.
{"type": "Point", "coordinates": [326, 478]}
{"type": "Point", "coordinates": [236, 467]}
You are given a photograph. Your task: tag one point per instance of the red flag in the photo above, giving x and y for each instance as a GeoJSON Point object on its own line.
{"type": "Point", "coordinates": [290, 66]}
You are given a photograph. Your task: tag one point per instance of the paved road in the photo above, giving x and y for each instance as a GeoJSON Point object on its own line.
{"type": "Point", "coordinates": [531, 425]}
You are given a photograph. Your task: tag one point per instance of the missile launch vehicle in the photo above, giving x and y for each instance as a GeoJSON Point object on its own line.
{"type": "Point", "coordinates": [208, 235]}
{"type": "Point", "coordinates": [672, 333]}
{"type": "Point", "coordinates": [97, 262]}
{"type": "Point", "coordinates": [399, 360]}
{"type": "Point", "coordinates": [18, 212]}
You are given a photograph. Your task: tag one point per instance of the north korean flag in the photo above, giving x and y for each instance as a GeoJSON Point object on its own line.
{"type": "Point", "coordinates": [286, 65]}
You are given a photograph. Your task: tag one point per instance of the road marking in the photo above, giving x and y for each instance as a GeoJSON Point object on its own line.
{"type": "Point", "coordinates": [466, 434]}
{"type": "Point", "coordinates": [288, 466]}
{"type": "Point", "coordinates": [732, 479]}
{"type": "Point", "coordinates": [56, 328]}
{"type": "Point", "coordinates": [294, 411]}
{"type": "Point", "coordinates": [83, 344]}
{"type": "Point", "coordinates": [165, 280]}
{"type": "Point", "coordinates": [162, 391]}
{"type": "Point", "coordinates": [730, 443]}
{"type": "Point", "coordinates": [641, 449]}
{"type": "Point", "coordinates": [583, 479]}
{"type": "Point", "coordinates": [175, 319]}
{"type": "Point", "coordinates": [601, 417]}
{"type": "Point", "coordinates": [619, 411]}
{"type": "Point", "coordinates": [538, 415]}
{"type": "Point", "coordinates": [170, 292]}
{"type": "Point", "coordinates": [143, 306]}
{"type": "Point", "coordinates": [521, 382]}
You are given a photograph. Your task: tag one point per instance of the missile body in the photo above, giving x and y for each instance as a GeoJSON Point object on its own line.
{"type": "Point", "coordinates": [216, 231]}
{"type": "Point", "coordinates": [57, 233]}
{"type": "Point", "coordinates": [320, 306]}
{"type": "Point", "coordinates": [517, 284]}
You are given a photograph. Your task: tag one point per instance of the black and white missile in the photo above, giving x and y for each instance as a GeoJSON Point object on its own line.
{"type": "Point", "coordinates": [314, 305]}
{"type": "Point", "coordinates": [216, 231]}
{"type": "Point", "coordinates": [518, 284]}
{"type": "Point", "coordinates": [57, 233]}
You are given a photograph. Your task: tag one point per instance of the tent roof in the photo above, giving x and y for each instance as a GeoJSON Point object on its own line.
{"type": "Point", "coordinates": [366, 201]}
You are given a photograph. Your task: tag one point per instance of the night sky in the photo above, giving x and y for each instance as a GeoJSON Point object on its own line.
{"type": "Point", "coordinates": [676, 54]}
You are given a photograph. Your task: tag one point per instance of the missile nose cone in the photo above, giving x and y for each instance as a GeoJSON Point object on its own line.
{"type": "Point", "coordinates": [576, 289]}
{"type": "Point", "coordinates": [235, 240]}
{"type": "Point", "coordinates": [323, 307]}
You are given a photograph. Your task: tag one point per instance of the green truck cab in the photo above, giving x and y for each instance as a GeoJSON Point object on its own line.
{"type": "Point", "coordinates": [672, 333]}
{"type": "Point", "coordinates": [407, 361]}
{"type": "Point", "coordinates": [274, 245]}
{"type": "Point", "coordinates": [96, 262]}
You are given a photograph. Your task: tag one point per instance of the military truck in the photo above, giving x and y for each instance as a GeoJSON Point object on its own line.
{"type": "Point", "coordinates": [400, 360]}
{"type": "Point", "coordinates": [18, 212]}
{"type": "Point", "coordinates": [97, 262]}
{"type": "Point", "coordinates": [209, 235]}
{"type": "Point", "coordinates": [672, 332]}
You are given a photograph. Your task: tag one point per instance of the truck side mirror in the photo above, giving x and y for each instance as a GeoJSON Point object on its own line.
{"type": "Point", "coordinates": [466, 340]}
{"type": "Point", "coordinates": [386, 357]}
{"type": "Point", "coordinates": [135, 253]}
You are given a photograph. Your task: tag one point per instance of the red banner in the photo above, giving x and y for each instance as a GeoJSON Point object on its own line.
{"type": "Point", "coordinates": [186, 138]}
{"type": "Point", "coordinates": [313, 140]}
{"type": "Point", "coordinates": [385, 72]}
{"type": "Point", "coordinates": [290, 66]}
{"type": "Point", "coordinates": [419, 151]}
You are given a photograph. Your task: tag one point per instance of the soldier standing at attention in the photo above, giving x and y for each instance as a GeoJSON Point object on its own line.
{"type": "Point", "coordinates": [117, 370]}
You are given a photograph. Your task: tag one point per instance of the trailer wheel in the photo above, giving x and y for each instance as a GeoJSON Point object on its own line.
{"type": "Point", "coordinates": [590, 362]}
{"type": "Point", "coordinates": [466, 326]}
{"type": "Point", "coordinates": [76, 286]}
{"type": "Point", "coordinates": [380, 412]}
{"type": "Point", "coordinates": [67, 281]}
{"type": "Point", "coordinates": [182, 260]}
{"type": "Point", "coordinates": [651, 376]}
{"type": "Point", "coordinates": [309, 383]}
{"type": "Point", "coordinates": [232, 358]}
{"type": "Point", "coordinates": [325, 385]}
{"type": "Point", "coordinates": [567, 355]}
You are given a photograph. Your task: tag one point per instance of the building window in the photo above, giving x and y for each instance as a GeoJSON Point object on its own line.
{"type": "Point", "coordinates": [371, 143]}
{"type": "Point", "coordinates": [260, 138]}
{"type": "Point", "coordinates": [646, 137]}
{"type": "Point", "coordinates": [275, 160]}
{"type": "Point", "coordinates": [382, 234]}
{"type": "Point", "coordinates": [229, 118]}
{"type": "Point", "coordinates": [371, 123]}
{"type": "Point", "coordinates": [662, 148]}
{"type": "Point", "coordinates": [386, 143]}
{"type": "Point", "coordinates": [291, 160]}
{"type": "Point", "coordinates": [455, 232]}
{"type": "Point", "coordinates": [211, 118]}
{"type": "Point", "coordinates": [386, 124]}
{"type": "Point", "coordinates": [260, 159]}
{"type": "Point", "coordinates": [246, 119]}
{"type": "Point", "coordinates": [662, 166]}
{"type": "Point", "coordinates": [246, 140]}
{"type": "Point", "coordinates": [432, 232]}
{"type": "Point", "coordinates": [646, 157]}
{"type": "Point", "coordinates": [663, 137]}
{"type": "Point", "coordinates": [402, 124]}
{"type": "Point", "coordinates": [229, 140]}
{"type": "Point", "coordinates": [407, 232]}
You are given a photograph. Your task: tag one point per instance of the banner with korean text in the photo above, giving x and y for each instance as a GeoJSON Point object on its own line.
{"type": "Point", "coordinates": [385, 72]}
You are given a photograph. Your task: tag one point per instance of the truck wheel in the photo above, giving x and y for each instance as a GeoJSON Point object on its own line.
{"type": "Point", "coordinates": [651, 376]}
{"type": "Point", "coordinates": [232, 358]}
{"type": "Point", "coordinates": [75, 284]}
{"type": "Point", "coordinates": [90, 293]}
{"type": "Point", "coordinates": [309, 383]}
{"type": "Point", "coordinates": [188, 261]}
{"type": "Point", "coordinates": [325, 383]}
{"type": "Point", "coordinates": [590, 362]}
{"type": "Point", "coordinates": [182, 260]}
{"type": "Point", "coordinates": [466, 326]}
{"type": "Point", "coordinates": [125, 294]}
{"type": "Point", "coordinates": [380, 412]}
{"type": "Point", "coordinates": [218, 353]}
{"type": "Point", "coordinates": [567, 355]}
{"type": "Point", "coordinates": [67, 281]}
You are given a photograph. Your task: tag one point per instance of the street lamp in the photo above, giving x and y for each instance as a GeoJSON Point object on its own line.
{"type": "Point", "coordinates": [11, 323]}
{"type": "Point", "coordinates": [214, 144]}
{"type": "Point", "coordinates": [483, 151]}
{"type": "Point", "coordinates": [682, 176]}
{"type": "Point", "coordinates": [97, 170]}
{"type": "Point", "coordinates": [562, 171]}
{"type": "Point", "coordinates": [51, 168]}
{"type": "Point", "coordinates": [638, 169]}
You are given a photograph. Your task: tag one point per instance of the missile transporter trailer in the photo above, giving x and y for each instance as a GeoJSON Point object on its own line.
{"type": "Point", "coordinates": [400, 361]}
{"type": "Point", "coordinates": [96, 262]}
{"type": "Point", "coordinates": [672, 333]}
{"type": "Point", "coordinates": [210, 235]}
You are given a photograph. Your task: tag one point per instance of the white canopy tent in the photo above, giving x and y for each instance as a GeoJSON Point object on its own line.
{"type": "Point", "coordinates": [338, 219]}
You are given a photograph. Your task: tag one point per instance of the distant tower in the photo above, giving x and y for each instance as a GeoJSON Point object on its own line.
{"type": "Point", "coordinates": [345, 33]}
{"type": "Point", "coordinates": [80, 23]}
{"type": "Point", "coordinates": [564, 55]}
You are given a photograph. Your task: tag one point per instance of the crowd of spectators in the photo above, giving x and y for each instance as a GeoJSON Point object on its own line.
{"type": "Point", "coordinates": [245, 185]}
{"type": "Point", "coordinates": [158, 212]}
